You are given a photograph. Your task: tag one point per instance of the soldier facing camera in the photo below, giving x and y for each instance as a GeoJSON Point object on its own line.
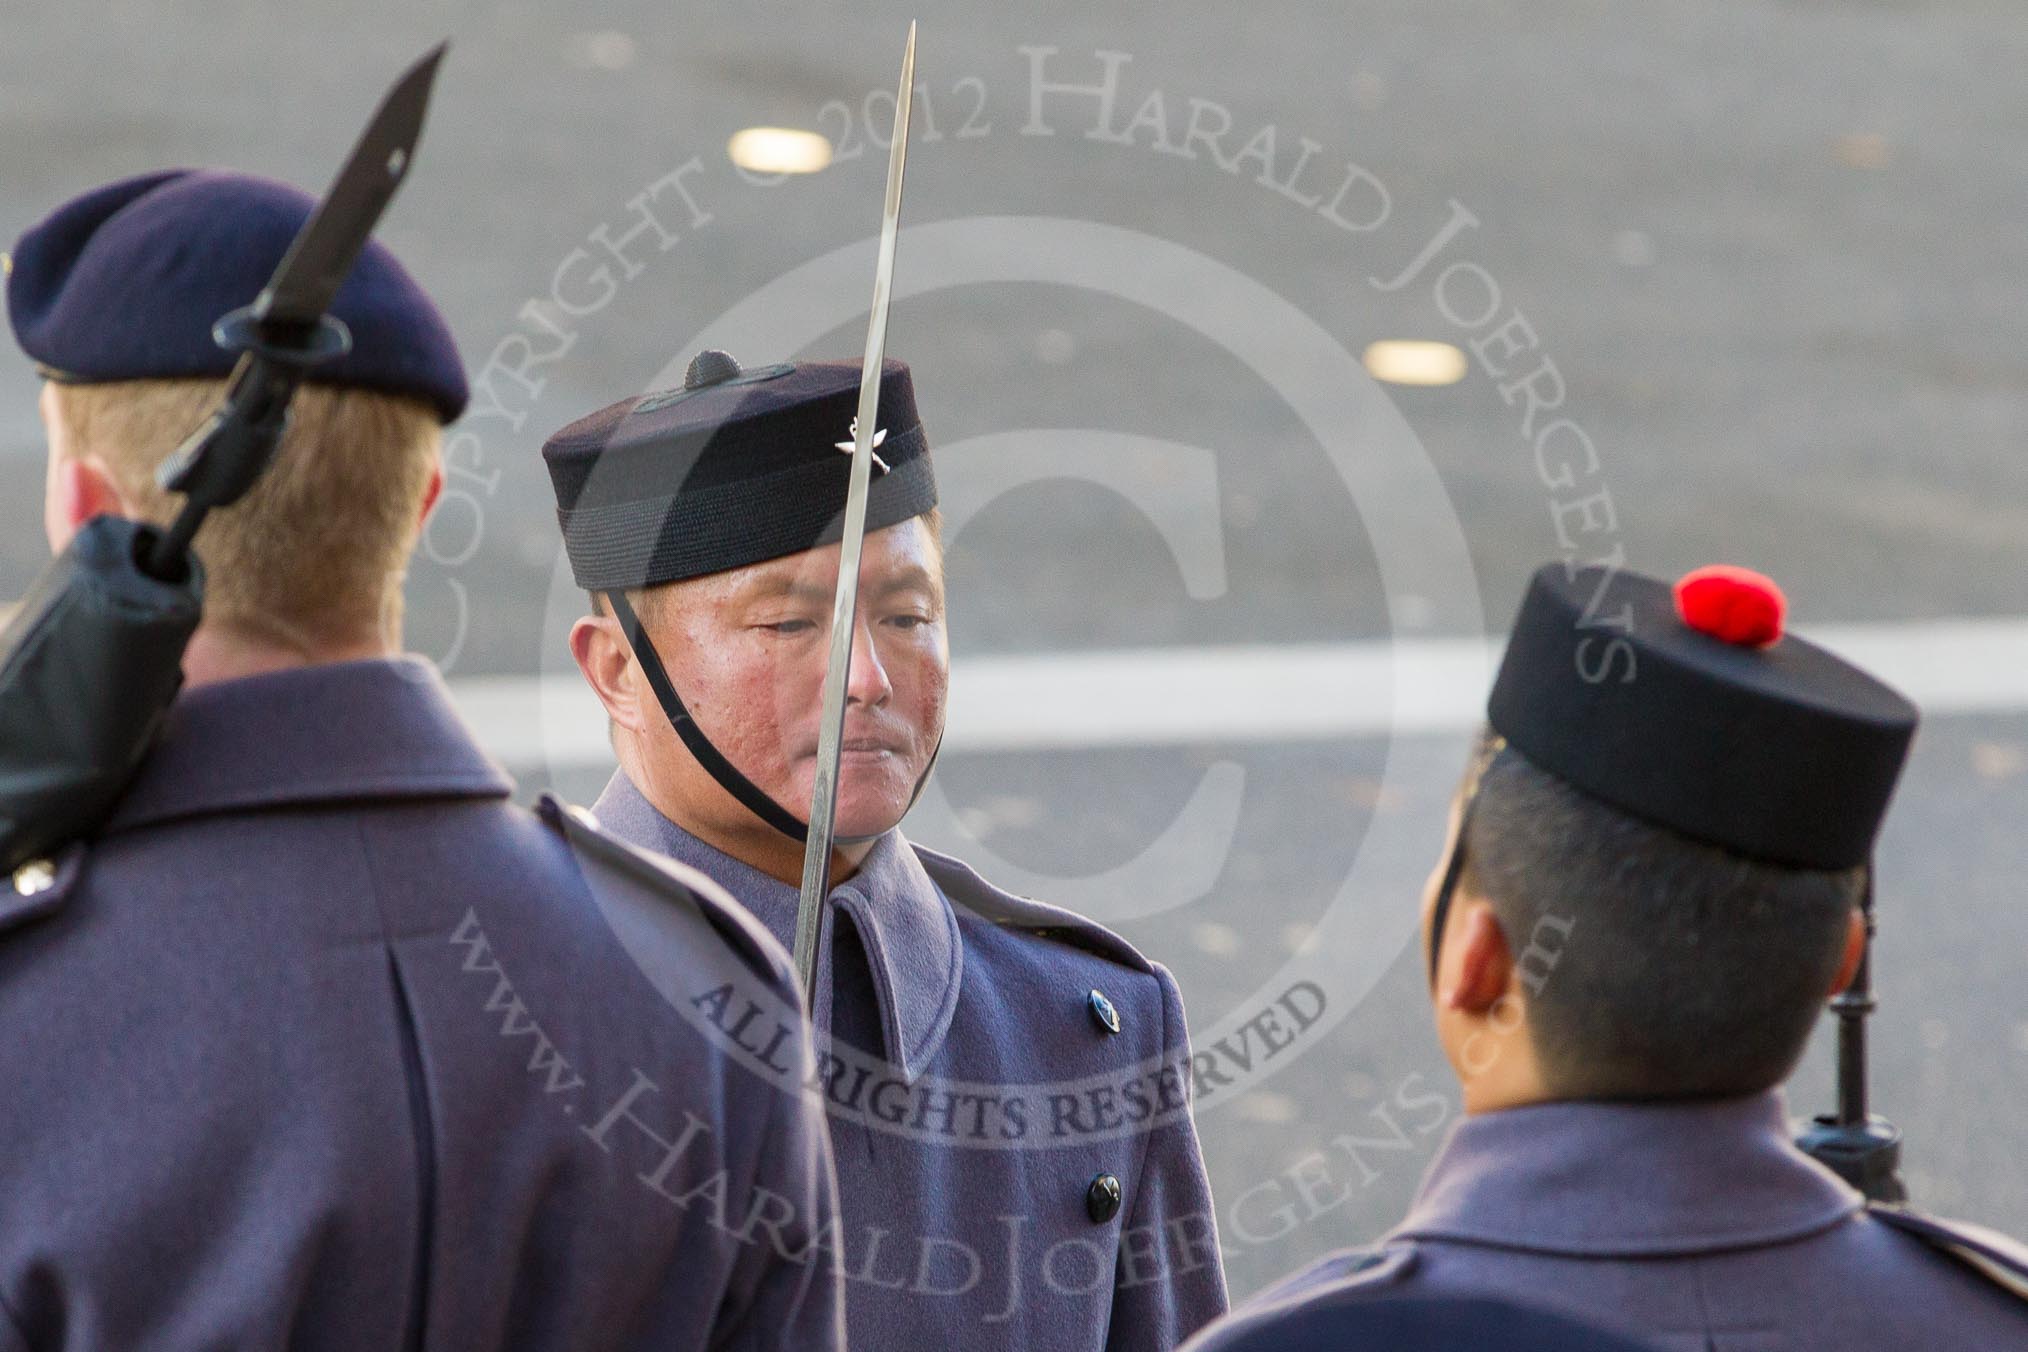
{"type": "Point", "coordinates": [1653, 881]}
{"type": "Point", "coordinates": [1006, 1081]}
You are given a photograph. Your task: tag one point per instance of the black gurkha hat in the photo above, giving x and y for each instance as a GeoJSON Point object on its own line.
{"type": "Point", "coordinates": [736, 467]}
{"type": "Point", "coordinates": [1689, 708]}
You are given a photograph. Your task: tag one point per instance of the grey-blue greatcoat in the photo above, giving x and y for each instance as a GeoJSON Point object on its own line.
{"type": "Point", "coordinates": [1698, 1227]}
{"type": "Point", "coordinates": [323, 1043]}
{"type": "Point", "coordinates": [977, 1093]}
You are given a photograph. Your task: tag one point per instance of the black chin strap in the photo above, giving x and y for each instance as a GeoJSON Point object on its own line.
{"type": "Point", "coordinates": [1454, 868]}
{"type": "Point", "coordinates": [708, 756]}
{"type": "Point", "coordinates": [714, 762]}
{"type": "Point", "coordinates": [920, 781]}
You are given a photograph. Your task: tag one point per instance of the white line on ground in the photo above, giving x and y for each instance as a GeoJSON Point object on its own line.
{"type": "Point", "coordinates": [1257, 693]}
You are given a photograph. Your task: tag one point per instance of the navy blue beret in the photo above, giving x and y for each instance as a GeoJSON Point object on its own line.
{"type": "Point", "coordinates": [734, 467]}
{"type": "Point", "coordinates": [125, 282]}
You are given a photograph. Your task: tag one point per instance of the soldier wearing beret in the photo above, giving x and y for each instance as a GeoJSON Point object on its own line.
{"type": "Point", "coordinates": [1653, 881]}
{"type": "Point", "coordinates": [321, 1042]}
{"type": "Point", "coordinates": [1006, 1081]}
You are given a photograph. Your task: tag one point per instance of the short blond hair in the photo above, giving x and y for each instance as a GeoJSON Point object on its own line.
{"type": "Point", "coordinates": [317, 552]}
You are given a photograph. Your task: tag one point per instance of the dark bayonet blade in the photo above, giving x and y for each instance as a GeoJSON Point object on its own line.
{"type": "Point", "coordinates": [329, 242]}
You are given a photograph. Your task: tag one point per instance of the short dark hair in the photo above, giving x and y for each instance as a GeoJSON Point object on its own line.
{"type": "Point", "coordinates": [1656, 966]}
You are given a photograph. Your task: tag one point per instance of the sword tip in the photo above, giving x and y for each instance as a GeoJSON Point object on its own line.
{"type": "Point", "coordinates": [409, 99]}
{"type": "Point", "coordinates": [423, 72]}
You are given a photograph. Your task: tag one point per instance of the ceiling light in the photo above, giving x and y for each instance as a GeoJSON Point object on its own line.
{"type": "Point", "coordinates": [778, 150]}
{"type": "Point", "coordinates": [1409, 362]}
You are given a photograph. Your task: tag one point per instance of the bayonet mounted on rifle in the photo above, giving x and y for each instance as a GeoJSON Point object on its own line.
{"type": "Point", "coordinates": [285, 331]}
{"type": "Point", "coordinates": [1858, 1145]}
{"type": "Point", "coordinates": [93, 657]}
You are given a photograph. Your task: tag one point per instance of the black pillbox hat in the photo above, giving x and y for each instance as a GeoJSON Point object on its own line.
{"type": "Point", "coordinates": [734, 468]}
{"type": "Point", "coordinates": [1661, 702]}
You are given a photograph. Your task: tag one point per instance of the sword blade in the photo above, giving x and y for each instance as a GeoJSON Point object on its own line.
{"type": "Point", "coordinates": [324, 250]}
{"type": "Point", "coordinates": [831, 731]}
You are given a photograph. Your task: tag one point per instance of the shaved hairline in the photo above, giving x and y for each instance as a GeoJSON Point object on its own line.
{"type": "Point", "coordinates": [649, 600]}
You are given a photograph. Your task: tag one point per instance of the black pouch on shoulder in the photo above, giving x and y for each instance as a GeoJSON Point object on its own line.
{"type": "Point", "coordinates": [88, 667]}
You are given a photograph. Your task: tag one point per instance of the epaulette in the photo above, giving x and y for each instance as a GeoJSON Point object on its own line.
{"type": "Point", "coordinates": [1337, 1279]}
{"type": "Point", "coordinates": [962, 885]}
{"type": "Point", "coordinates": [1999, 1259]}
{"type": "Point", "coordinates": [40, 887]}
{"type": "Point", "coordinates": [677, 882]}
{"type": "Point", "coordinates": [1352, 1272]}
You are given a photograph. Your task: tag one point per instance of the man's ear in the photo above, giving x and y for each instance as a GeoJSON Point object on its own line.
{"type": "Point", "coordinates": [80, 488]}
{"type": "Point", "coordinates": [1477, 964]}
{"type": "Point", "coordinates": [1855, 951]}
{"type": "Point", "coordinates": [431, 492]}
{"type": "Point", "coordinates": [604, 658]}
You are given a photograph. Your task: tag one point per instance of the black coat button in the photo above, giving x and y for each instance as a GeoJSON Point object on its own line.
{"type": "Point", "coordinates": [1102, 1198]}
{"type": "Point", "coordinates": [1102, 1012]}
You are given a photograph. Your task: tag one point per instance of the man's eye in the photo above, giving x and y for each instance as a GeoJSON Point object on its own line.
{"type": "Point", "coordinates": [909, 621]}
{"type": "Point", "coordinates": [790, 626]}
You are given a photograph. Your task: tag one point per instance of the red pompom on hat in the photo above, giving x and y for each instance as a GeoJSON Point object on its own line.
{"type": "Point", "coordinates": [1786, 754]}
{"type": "Point", "coordinates": [1736, 605]}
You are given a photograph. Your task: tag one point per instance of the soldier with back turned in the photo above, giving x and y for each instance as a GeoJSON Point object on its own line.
{"type": "Point", "coordinates": [321, 1042]}
{"type": "Point", "coordinates": [1653, 881]}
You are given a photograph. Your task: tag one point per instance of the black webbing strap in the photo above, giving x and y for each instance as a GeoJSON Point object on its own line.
{"type": "Point", "coordinates": [708, 756]}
